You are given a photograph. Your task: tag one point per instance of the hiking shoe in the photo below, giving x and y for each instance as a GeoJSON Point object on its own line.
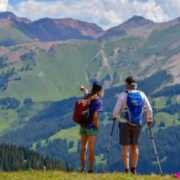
{"type": "Point", "coordinates": [127, 171]}
{"type": "Point", "coordinates": [83, 170]}
{"type": "Point", "coordinates": [90, 171]}
{"type": "Point", "coordinates": [133, 170]}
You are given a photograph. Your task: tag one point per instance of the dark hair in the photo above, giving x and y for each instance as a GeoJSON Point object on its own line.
{"type": "Point", "coordinates": [100, 93]}
{"type": "Point", "coordinates": [131, 80]}
{"type": "Point", "coordinates": [97, 86]}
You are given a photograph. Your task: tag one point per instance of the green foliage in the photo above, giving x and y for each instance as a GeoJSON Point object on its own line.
{"type": "Point", "coordinates": [27, 101]}
{"type": "Point", "coordinates": [9, 103]}
{"type": "Point", "coordinates": [15, 158]}
{"type": "Point", "coordinates": [169, 91]}
{"type": "Point", "coordinates": [27, 56]}
{"type": "Point", "coordinates": [154, 82]}
{"type": "Point", "coordinates": [5, 78]}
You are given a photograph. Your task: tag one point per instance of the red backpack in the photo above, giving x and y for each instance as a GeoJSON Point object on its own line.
{"type": "Point", "coordinates": [81, 110]}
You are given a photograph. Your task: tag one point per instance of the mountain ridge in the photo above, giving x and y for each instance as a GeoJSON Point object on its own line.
{"type": "Point", "coordinates": [11, 16]}
{"type": "Point", "coordinates": [50, 29]}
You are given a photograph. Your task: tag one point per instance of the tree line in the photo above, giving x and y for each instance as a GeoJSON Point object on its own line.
{"type": "Point", "coordinates": [14, 158]}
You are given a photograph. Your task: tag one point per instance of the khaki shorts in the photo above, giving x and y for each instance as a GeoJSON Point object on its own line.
{"type": "Point", "coordinates": [88, 132]}
{"type": "Point", "coordinates": [128, 134]}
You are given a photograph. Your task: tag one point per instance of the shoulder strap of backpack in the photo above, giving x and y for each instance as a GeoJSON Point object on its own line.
{"type": "Point", "coordinates": [91, 97]}
{"type": "Point", "coordinates": [128, 91]}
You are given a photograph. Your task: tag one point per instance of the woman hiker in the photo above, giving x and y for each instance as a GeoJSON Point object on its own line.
{"type": "Point", "coordinates": [90, 131]}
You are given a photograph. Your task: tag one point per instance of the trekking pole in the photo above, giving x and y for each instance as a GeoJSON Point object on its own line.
{"type": "Point", "coordinates": [155, 151]}
{"type": "Point", "coordinates": [109, 142]}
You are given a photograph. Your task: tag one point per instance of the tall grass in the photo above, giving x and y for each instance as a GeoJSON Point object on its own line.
{"type": "Point", "coordinates": [59, 175]}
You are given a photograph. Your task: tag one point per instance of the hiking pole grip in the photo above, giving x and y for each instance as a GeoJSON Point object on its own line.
{"type": "Point", "coordinates": [155, 150]}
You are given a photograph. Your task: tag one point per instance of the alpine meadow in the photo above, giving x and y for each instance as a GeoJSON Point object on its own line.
{"type": "Point", "coordinates": [43, 63]}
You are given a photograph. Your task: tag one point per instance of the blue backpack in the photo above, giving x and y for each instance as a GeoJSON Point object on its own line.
{"type": "Point", "coordinates": [135, 105]}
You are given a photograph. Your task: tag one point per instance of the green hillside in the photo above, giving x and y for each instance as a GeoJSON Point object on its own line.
{"type": "Point", "coordinates": [12, 35]}
{"type": "Point", "coordinates": [58, 72]}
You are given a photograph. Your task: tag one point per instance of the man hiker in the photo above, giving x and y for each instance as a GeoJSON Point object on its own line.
{"type": "Point", "coordinates": [130, 105]}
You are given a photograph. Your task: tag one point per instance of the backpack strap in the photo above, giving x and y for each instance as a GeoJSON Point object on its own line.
{"type": "Point", "coordinates": [90, 97]}
{"type": "Point", "coordinates": [128, 91]}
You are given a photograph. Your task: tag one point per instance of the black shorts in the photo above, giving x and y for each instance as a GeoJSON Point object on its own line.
{"type": "Point", "coordinates": [128, 134]}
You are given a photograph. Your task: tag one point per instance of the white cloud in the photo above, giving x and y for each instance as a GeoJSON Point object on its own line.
{"type": "Point", "coordinates": [3, 5]}
{"type": "Point", "coordinates": [105, 13]}
{"type": "Point", "coordinates": [170, 7]}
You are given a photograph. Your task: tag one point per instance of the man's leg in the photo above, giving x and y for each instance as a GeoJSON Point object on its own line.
{"type": "Point", "coordinates": [135, 155]}
{"type": "Point", "coordinates": [134, 147]}
{"type": "Point", "coordinates": [125, 157]}
{"type": "Point", "coordinates": [92, 142]}
{"type": "Point", "coordinates": [125, 141]}
{"type": "Point", "coordinates": [84, 143]}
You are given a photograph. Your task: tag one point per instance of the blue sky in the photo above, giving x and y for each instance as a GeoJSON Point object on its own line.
{"type": "Point", "coordinates": [104, 13]}
{"type": "Point", "coordinates": [15, 2]}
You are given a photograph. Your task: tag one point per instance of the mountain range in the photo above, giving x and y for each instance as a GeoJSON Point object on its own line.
{"type": "Point", "coordinates": [48, 29]}
{"type": "Point", "coordinates": [44, 62]}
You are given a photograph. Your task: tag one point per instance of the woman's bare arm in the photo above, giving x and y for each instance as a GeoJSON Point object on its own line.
{"type": "Point", "coordinates": [95, 118]}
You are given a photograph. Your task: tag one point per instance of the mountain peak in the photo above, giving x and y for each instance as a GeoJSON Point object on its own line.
{"type": "Point", "coordinates": [7, 15]}
{"type": "Point", "coordinates": [135, 25]}
{"type": "Point", "coordinates": [12, 16]}
{"type": "Point", "coordinates": [138, 25]}
{"type": "Point", "coordinates": [138, 20]}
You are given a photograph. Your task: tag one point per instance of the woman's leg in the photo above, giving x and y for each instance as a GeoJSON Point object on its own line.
{"type": "Point", "coordinates": [84, 143]}
{"type": "Point", "coordinates": [92, 142]}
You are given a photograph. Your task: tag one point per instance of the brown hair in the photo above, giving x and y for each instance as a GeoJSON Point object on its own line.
{"type": "Point", "coordinates": [101, 92]}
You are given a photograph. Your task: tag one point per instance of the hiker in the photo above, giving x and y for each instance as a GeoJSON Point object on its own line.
{"type": "Point", "coordinates": [90, 131]}
{"type": "Point", "coordinates": [129, 132]}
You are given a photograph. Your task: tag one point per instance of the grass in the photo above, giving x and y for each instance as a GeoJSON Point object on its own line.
{"type": "Point", "coordinates": [12, 119]}
{"type": "Point", "coordinates": [6, 118]}
{"type": "Point", "coordinates": [168, 119]}
{"type": "Point", "coordinates": [12, 35]}
{"type": "Point", "coordinates": [59, 175]}
{"type": "Point", "coordinates": [71, 134]}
